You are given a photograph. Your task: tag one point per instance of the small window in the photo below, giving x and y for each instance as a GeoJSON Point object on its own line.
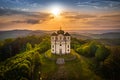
{"type": "Point", "coordinates": [68, 46]}
{"type": "Point", "coordinates": [68, 49]}
{"type": "Point", "coordinates": [56, 38]}
{"type": "Point", "coordinates": [60, 44]}
{"type": "Point", "coordinates": [53, 46]}
{"type": "Point", "coordinates": [53, 50]}
{"type": "Point", "coordinates": [68, 37]}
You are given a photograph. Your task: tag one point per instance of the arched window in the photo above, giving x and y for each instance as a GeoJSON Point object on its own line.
{"type": "Point", "coordinates": [68, 38]}
{"type": "Point", "coordinates": [53, 38]}
{"type": "Point", "coordinates": [53, 46]}
{"type": "Point", "coordinates": [53, 50]}
{"type": "Point", "coordinates": [56, 38]}
{"type": "Point", "coordinates": [68, 46]}
{"type": "Point", "coordinates": [60, 44]}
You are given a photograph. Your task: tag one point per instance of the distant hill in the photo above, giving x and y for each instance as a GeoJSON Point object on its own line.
{"type": "Point", "coordinates": [19, 33]}
{"type": "Point", "coordinates": [110, 35]}
{"type": "Point", "coordinates": [81, 36]}
{"type": "Point", "coordinates": [22, 33]}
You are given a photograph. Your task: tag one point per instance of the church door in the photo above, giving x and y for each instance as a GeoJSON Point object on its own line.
{"type": "Point", "coordinates": [60, 51]}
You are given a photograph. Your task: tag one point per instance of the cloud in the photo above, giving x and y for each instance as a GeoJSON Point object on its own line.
{"type": "Point", "coordinates": [79, 16]}
{"type": "Point", "coordinates": [101, 4]}
{"type": "Point", "coordinates": [112, 16]}
{"type": "Point", "coordinates": [7, 11]}
{"type": "Point", "coordinates": [76, 16]}
{"type": "Point", "coordinates": [24, 17]}
{"type": "Point", "coordinates": [29, 21]}
{"type": "Point", "coordinates": [106, 21]}
{"type": "Point", "coordinates": [113, 0]}
{"type": "Point", "coordinates": [20, 4]}
{"type": "Point", "coordinates": [13, 19]}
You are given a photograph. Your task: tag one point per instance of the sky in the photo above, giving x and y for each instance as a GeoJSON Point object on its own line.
{"type": "Point", "coordinates": [53, 14]}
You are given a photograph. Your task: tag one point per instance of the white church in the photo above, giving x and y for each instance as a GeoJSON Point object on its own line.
{"type": "Point", "coordinates": [60, 42]}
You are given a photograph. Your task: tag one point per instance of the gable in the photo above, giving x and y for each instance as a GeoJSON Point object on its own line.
{"type": "Point", "coordinates": [61, 35]}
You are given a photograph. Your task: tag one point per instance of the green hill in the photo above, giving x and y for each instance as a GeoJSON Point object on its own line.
{"type": "Point", "coordinates": [94, 60]}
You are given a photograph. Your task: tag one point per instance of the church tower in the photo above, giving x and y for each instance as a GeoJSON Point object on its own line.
{"type": "Point", "coordinates": [60, 42]}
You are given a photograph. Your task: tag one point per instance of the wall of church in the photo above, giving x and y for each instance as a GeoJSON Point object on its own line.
{"type": "Point", "coordinates": [53, 48]}
{"type": "Point", "coordinates": [60, 48]}
{"type": "Point", "coordinates": [67, 47]}
{"type": "Point", "coordinates": [60, 44]}
{"type": "Point", "coordinates": [67, 44]}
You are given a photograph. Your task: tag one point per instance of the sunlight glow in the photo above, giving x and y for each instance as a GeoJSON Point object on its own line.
{"type": "Point", "coordinates": [56, 11]}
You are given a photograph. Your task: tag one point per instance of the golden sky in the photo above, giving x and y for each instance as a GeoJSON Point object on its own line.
{"type": "Point", "coordinates": [74, 15]}
{"type": "Point", "coordinates": [66, 20]}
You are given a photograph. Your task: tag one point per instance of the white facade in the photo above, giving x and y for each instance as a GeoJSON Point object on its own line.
{"type": "Point", "coordinates": [60, 43]}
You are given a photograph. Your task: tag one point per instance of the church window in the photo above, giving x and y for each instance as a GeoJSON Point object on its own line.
{"type": "Point", "coordinates": [60, 44]}
{"type": "Point", "coordinates": [53, 46]}
{"type": "Point", "coordinates": [68, 37]}
{"type": "Point", "coordinates": [52, 37]}
{"type": "Point", "coordinates": [56, 38]}
{"type": "Point", "coordinates": [68, 49]}
{"type": "Point", "coordinates": [68, 46]}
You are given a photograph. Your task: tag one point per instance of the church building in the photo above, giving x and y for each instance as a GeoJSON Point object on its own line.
{"type": "Point", "coordinates": [60, 42]}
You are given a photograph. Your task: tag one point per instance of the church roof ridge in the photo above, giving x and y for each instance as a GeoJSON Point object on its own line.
{"type": "Point", "coordinates": [67, 34]}
{"type": "Point", "coordinates": [54, 34]}
{"type": "Point", "coordinates": [60, 32]}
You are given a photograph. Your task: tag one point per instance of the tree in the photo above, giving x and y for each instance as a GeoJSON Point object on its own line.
{"type": "Point", "coordinates": [88, 49]}
{"type": "Point", "coordinates": [101, 53]}
{"type": "Point", "coordinates": [36, 66]}
{"type": "Point", "coordinates": [28, 47]}
{"type": "Point", "coordinates": [111, 65]}
{"type": "Point", "coordinates": [76, 43]}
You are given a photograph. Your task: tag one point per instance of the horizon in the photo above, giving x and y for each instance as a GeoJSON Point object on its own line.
{"type": "Point", "coordinates": [73, 31]}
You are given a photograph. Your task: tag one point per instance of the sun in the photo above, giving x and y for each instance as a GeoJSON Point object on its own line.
{"type": "Point", "coordinates": [56, 11]}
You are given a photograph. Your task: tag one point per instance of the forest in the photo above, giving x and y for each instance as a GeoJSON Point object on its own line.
{"type": "Point", "coordinates": [23, 58]}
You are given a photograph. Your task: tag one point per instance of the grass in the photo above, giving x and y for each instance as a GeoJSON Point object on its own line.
{"type": "Point", "coordinates": [48, 68]}
{"type": "Point", "coordinates": [77, 69]}
{"type": "Point", "coordinates": [55, 56]}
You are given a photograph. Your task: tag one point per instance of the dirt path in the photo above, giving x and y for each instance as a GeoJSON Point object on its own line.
{"type": "Point", "coordinates": [61, 73]}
